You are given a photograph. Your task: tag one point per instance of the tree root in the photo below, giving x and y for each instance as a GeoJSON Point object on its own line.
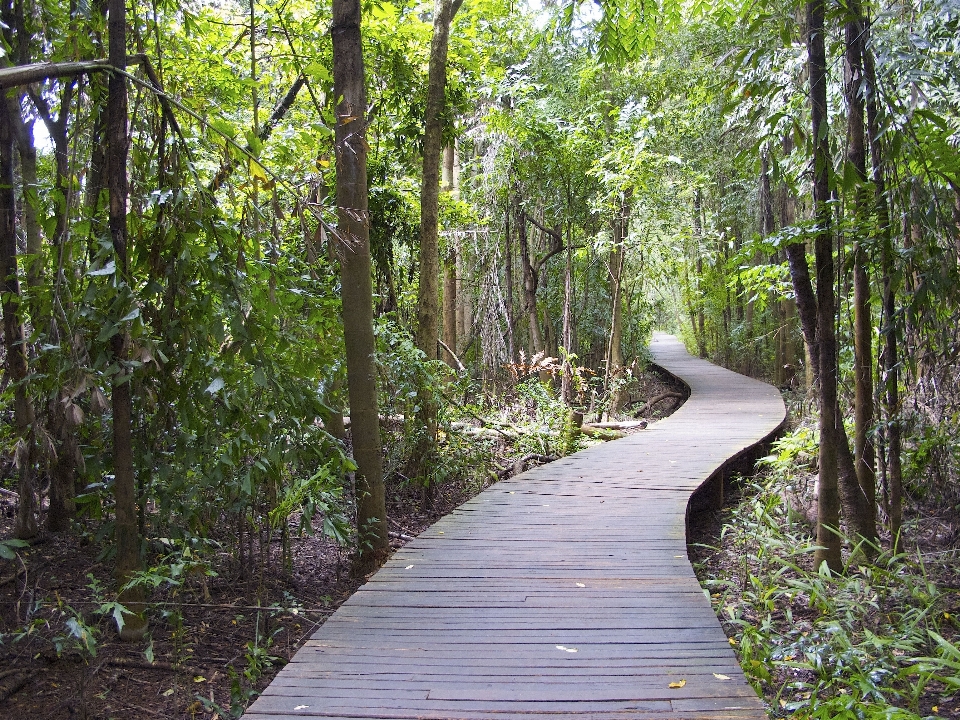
{"type": "Point", "coordinates": [657, 399]}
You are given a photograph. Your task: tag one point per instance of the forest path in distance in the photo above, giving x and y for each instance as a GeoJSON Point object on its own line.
{"type": "Point", "coordinates": [563, 592]}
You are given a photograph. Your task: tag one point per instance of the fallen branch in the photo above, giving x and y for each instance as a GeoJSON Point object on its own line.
{"type": "Point", "coordinates": [659, 398]}
{"type": "Point", "coordinates": [520, 464]}
{"type": "Point", "coordinates": [400, 536]}
{"type": "Point", "coordinates": [625, 425]}
{"type": "Point", "coordinates": [16, 686]}
{"type": "Point", "coordinates": [144, 665]}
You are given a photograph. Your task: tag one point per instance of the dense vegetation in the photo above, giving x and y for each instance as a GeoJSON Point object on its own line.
{"type": "Point", "coordinates": [212, 215]}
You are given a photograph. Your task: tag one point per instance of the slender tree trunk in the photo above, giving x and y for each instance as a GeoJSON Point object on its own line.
{"type": "Point", "coordinates": [529, 284]}
{"type": "Point", "coordinates": [864, 453]}
{"type": "Point", "coordinates": [508, 283]}
{"type": "Point", "coordinates": [888, 324]}
{"type": "Point", "coordinates": [353, 228]}
{"type": "Point", "coordinates": [124, 486]}
{"type": "Point", "coordinates": [788, 213]}
{"type": "Point", "coordinates": [27, 523]}
{"type": "Point", "coordinates": [828, 506]}
{"type": "Point", "coordinates": [767, 227]}
{"type": "Point", "coordinates": [566, 383]}
{"type": "Point", "coordinates": [449, 271]}
{"type": "Point", "coordinates": [806, 306]}
{"type": "Point", "coordinates": [450, 303]}
{"type": "Point", "coordinates": [699, 329]}
{"type": "Point", "coordinates": [428, 295]}
{"type": "Point", "coordinates": [615, 272]}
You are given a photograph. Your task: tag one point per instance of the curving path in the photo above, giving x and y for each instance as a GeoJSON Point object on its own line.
{"type": "Point", "coordinates": [564, 592]}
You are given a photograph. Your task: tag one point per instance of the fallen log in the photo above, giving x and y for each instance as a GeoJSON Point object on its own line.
{"type": "Point", "coordinates": [601, 433]}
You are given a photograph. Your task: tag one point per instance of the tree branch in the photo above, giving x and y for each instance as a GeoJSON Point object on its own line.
{"type": "Point", "coordinates": [26, 74]}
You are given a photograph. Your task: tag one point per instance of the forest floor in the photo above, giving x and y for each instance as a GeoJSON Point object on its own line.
{"type": "Point", "coordinates": [211, 646]}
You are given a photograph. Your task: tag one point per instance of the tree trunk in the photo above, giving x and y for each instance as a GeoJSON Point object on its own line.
{"type": "Point", "coordinates": [428, 294]}
{"type": "Point", "coordinates": [828, 505]}
{"type": "Point", "coordinates": [356, 285]}
{"type": "Point", "coordinates": [699, 330]}
{"type": "Point", "coordinates": [124, 484]}
{"type": "Point", "coordinates": [508, 284]}
{"type": "Point", "coordinates": [864, 453]}
{"type": "Point", "coordinates": [529, 284]}
{"type": "Point", "coordinates": [449, 272]}
{"type": "Point", "coordinates": [615, 273]}
{"type": "Point", "coordinates": [888, 324]}
{"type": "Point", "coordinates": [27, 523]}
{"type": "Point", "coordinates": [566, 383]}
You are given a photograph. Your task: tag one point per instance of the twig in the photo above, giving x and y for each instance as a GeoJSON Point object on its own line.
{"type": "Point", "coordinates": [155, 713]}
{"type": "Point", "coordinates": [158, 665]}
{"type": "Point", "coordinates": [18, 573]}
{"type": "Point", "coordinates": [452, 354]}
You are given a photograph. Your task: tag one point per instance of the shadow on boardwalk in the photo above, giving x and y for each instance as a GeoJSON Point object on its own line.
{"type": "Point", "coordinates": [563, 592]}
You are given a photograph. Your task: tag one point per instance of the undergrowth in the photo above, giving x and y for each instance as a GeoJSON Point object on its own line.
{"type": "Point", "coordinates": [878, 641]}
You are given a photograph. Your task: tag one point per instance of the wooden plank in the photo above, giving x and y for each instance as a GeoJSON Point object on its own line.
{"type": "Point", "coordinates": [564, 592]}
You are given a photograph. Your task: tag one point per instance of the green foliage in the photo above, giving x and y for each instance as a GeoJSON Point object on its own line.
{"type": "Point", "coordinates": [9, 547]}
{"type": "Point", "coordinates": [861, 645]}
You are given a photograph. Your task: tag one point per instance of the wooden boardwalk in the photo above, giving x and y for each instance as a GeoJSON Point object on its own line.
{"type": "Point", "coordinates": [564, 592]}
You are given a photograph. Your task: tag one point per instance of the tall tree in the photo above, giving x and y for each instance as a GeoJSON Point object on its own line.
{"type": "Point", "coordinates": [828, 505]}
{"type": "Point", "coordinates": [353, 228]}
{"type": "Point", "coordinates": [864, 453]}
{"type": "Point", "coordinates": [428, 292]}
{"type": "Point", "coordinates": [14, 342]}
{"type": "Point", "coordinates": [124, 487]}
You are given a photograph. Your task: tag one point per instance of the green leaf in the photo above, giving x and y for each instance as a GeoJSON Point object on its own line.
{"type": "Point", "coordinates": [6, 548]}
{"type": "Point", "coordinates": [216, 386]}
{"type": "Point", "coordinates": [317, 69]}
{"type": "Point", "coordinates": [109, 269]}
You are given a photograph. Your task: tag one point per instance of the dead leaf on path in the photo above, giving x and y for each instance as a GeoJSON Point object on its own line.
{"type": "Point", "coordinates": [721, 676]}
{"type": "Point", "coordinates": [678, 684]}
